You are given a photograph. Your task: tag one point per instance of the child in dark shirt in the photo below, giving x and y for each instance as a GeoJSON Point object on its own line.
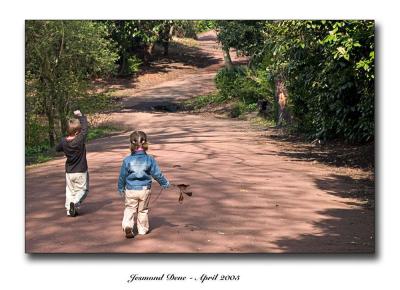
{"type": "Point", "coordinates": [76, 169]}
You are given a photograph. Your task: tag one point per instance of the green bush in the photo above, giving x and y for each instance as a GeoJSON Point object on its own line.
{"type": "Point", "coordinates": [204, 25]}
{"type": "Point", "coordinates": [95, 103]}
{"type": "Point", "coordinates": [239, 108]}
{"type": "Point", "coordinates": [326, 67]}
{"type": "Point", "coordinates": [35, 131]}
{"type": "Point", "coordinates": [39, 150]}
{"type": "Point", "coordinates": [37, 145]}
{"type": "Point", "coordinates": [227, 82]}
{"type": "Point", "coordinates": [185, 28]}
{"type": "Point", "coordinates": [242, 83]}
{"type": "Point", "coordinates": [134, 64]}
{"type": "Point", "coordinates": [190, 28]}
{"type": "Point", "coordinates": [330, 80]}
{"type": "Point", "coordinates": [203, 101]}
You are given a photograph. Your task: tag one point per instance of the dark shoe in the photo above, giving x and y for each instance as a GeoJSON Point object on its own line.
{"type": "Point", "coordinates": [128, 233]}
{"type": "Point", "coordinates": [72, 210]}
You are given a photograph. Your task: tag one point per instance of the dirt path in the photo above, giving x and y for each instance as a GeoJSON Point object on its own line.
{"type": "Point", "coordinates": [247, 197]}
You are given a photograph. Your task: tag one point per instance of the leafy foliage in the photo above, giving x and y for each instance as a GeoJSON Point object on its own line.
{"type": "Point", "coordinates": [204, 25]}
{"type": "Point", "coordinates": [242, 83]}
{"type": "Point", "coordinates": [185, 28]}
{"type": "Point", "coordinates": [245, 35]}
{"type": "Point", "coordinates": [134, 64]}
{"type": "Point", "coordinates": [134, 38]}
{"type": "Point", "coordinates": [190, 28]}
{"type": "Point", "coordinates": [327, 68]}
{"type": "Point", "coordinates": [61, 57]}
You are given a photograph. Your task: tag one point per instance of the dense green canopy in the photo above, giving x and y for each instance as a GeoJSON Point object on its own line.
{"type": "Point", "coordinates": [326, 67]}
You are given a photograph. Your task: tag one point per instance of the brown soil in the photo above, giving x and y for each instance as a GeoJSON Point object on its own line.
{"type": "Point", "coordinates": [249, 193]}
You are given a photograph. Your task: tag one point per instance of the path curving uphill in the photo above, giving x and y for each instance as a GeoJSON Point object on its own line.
{"type": "Point", "coordinates": [247, 197]}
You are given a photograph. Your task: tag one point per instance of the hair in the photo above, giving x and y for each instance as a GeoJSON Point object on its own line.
{"type": "Point", "coordinates": [138, 140]}
{"type": "Point", "coordinates": [73, 127]}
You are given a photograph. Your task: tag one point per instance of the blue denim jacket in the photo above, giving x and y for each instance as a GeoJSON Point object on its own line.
{"type": "Point", "coordinates": [137, 170]}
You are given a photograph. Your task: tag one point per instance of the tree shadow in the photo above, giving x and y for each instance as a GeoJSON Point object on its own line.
{"type": "Point", "coordinates": [180, 57]}
{"type": "Point", "coordinates": [205, 55]}
{"type": "Point", "coordinates": [339, 233]}
{"type": "Point", "coordinates": [159, 222]}
{"type": "Point", "coordinates": [187, 55]}
{"type": "Point", "coordinates": [361, 189]}
{"type": "Point", "coordinates": [340, 230]}
{"type": "Point", "coordinates": [333, 153]}
{"type": "Point", "coordinates": [243, 203]}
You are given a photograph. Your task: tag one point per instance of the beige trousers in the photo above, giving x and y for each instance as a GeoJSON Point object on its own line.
{"type": "Point", "coordinates": [137, 201]}
{"type": "Point", "coordinates": [77, 188]}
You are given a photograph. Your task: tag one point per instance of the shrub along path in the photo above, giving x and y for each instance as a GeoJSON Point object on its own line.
{"type": "Point", "coordinates": [247, 195]}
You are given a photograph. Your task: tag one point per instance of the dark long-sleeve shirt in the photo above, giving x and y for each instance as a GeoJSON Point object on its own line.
{"type": "Point", "coordinates": [75, 149]}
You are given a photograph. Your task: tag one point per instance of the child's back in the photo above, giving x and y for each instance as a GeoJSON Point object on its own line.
{"type": "Point", "coordinates": [134, 184]}
{"type": "Point", "coordinates": [76, 168]}
{"type": "Point", "coordinates": [137, 171]}
{"type": "Point", "coordinates": [75, 150]}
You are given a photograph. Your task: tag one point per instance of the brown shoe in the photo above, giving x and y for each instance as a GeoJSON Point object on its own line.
{"type": "Point", "coordinates": [128, 233]}
{"type": "Point", "coordinates": [73, 211]}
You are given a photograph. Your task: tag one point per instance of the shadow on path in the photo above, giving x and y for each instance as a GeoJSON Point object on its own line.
{"type": "Point", "coordinates": [341, 230]}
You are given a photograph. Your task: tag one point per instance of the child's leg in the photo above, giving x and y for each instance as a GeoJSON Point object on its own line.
{"type": "Point", "coordinates": [131, 205]}
{"type": "Point", "coordinates": [81, 187]}
{"type": "Point", "coordinates": [69, 191]}
{"type": "Point", "coordinates": [143, 209]}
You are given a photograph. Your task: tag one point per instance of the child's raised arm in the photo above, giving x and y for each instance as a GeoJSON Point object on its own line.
{"type": "Point", "coordinates": [81, 137]}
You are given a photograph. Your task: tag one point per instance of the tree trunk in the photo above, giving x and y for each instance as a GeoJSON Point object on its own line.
{"type": "Point", "coordinates": [63, 121]}
{"type": "Point", "coordinates": [27, 129]}
{"type": "Point", "coordinates": [281, 96]}
{"type": "Point", "coordinates": [150, 49]}
{"type": "Point", "coordinates": [166, 46]}
{"type": "Point", "coordinates": [227, 58]}
{"type": "Point", "coordinates": [148, 52]}
{"type": "Point", "coordinates": [124, 61]}
{"type": "Point", "coordinates": [166, 36]}
{"type": "Point", "coordinates": [50, 119]}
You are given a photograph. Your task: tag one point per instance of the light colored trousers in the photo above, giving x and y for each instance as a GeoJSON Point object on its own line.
{"type": "Point", "coordinates": [137, 201]}
{"type": "Point", "coordinates": [77, 188]}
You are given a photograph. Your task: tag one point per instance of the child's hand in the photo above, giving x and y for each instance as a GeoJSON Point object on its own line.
{"type": "Point", "coordinates": [78, 113]}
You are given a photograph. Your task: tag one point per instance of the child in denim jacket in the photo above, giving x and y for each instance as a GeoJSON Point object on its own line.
{"type": "Point", "coordinates": [134, 184]}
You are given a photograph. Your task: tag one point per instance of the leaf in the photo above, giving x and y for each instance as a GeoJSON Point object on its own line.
{"type": "Point", "coordinates": [372, 54]}
{"type": "Point", "coordinates": [341, 49]}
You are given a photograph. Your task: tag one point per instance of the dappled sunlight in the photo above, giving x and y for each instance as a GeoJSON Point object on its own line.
{"type": "Point", "coordinates": [248, 196]}
{"type": "Point", "coordinates": [242, 201]}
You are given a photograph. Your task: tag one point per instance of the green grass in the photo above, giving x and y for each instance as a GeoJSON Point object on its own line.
{"type": "Point", "coordinates": [236, 109]}
{"type": "Point", "coordinates": [101, 131]}
{"type": "Point", "coordinates": [203, 101]}
{"type": "Point", "coordinates": [262, 122]}
{"type": "Point", "coordinates": [42, 157]}
{"type": "Point", "coordinates": [241, 108]}
{"type": "Point", "coordinates": [37, 149]}
{"type": "Point", "coordinates": [95, 103]}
